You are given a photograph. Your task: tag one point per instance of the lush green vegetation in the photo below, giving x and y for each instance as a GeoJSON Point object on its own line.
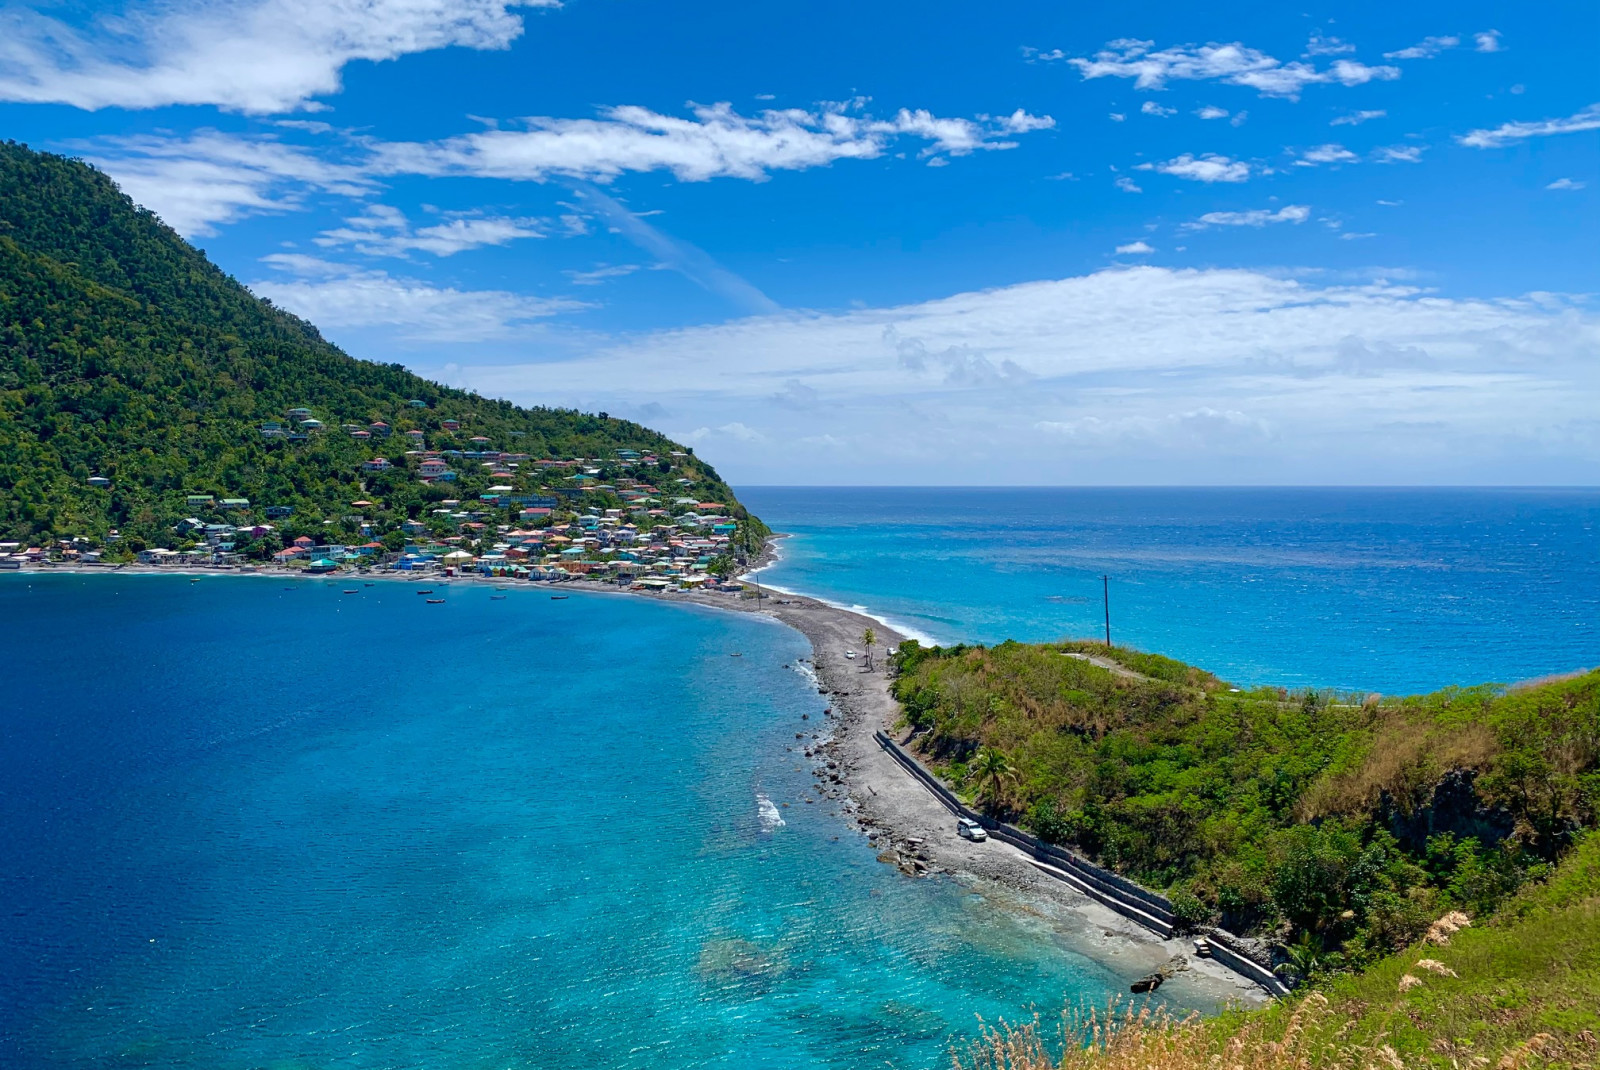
{"type": "Point", "coordinates": [1522, 989]}
{"type": "Point", "coordinates": [1339, 825]}
{"type": "Point", "coordinates": [127, 355]}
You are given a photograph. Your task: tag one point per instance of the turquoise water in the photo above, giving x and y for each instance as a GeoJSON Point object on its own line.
{"type": "Point", "coordinates": [1397, 590]}
{"type": "Point", "coordinates": [252, 823]}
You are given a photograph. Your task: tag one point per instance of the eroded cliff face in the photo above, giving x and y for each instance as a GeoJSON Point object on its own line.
{"type": "Point", "coordinates": [1454, 807]}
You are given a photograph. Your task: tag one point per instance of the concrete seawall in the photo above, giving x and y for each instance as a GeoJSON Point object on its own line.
{"type": "Point", "coordinates": [1141, 905]}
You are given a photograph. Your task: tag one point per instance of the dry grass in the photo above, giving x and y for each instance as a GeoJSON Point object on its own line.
{"type": "Point", "coordinates": [1408, 753]}
{"type": "Point", "coordinates": [1141, 1039]}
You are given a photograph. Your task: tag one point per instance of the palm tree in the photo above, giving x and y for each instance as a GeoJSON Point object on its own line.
{"type": "Point", "coordinates": [869, 639]}
{"type": "Point", "coordinates": [1301, 958]}
{"type": "Point", "coordinates": [990, 769]}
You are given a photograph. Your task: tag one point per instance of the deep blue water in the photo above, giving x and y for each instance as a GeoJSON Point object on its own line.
{"type": "Point", "coordinates": [251, 823]}
{"type": "Point", "coordinates": [1397, 590]}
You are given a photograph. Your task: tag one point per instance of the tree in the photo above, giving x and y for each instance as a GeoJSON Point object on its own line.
{"type": "Point", "coordinates": [869, 639]}
{"type": "Point", "coordinates": [990, 771]}
{"type": "Point", "coordinates": [1301, 958]}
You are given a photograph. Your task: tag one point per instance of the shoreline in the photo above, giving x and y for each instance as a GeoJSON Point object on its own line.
{"type": "Point", "coordinates": [902, 818]}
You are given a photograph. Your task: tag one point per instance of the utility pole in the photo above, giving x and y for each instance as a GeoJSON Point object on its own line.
{"type": "Point", "coordinates": [1105, 594]}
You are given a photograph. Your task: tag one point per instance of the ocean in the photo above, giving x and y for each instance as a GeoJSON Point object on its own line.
{"type": "Point", "coordinates": [258, 823]}
{"type": "Point", "coordinates": [1392, 590]}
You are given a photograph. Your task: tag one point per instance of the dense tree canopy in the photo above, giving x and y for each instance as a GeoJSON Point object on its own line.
{"type": "Point", "coordinates": [127, 355]}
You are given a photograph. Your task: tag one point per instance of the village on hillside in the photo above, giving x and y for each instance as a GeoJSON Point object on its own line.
{"type": "Point", "coordinates": [481, 510]}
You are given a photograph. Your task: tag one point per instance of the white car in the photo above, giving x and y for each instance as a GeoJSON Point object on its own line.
{"type": "Point", "coordinates": [969, 829]}
{"type": "Point", "coordinates": [850, 655]}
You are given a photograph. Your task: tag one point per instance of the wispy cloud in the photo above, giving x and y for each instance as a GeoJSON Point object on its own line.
{"type": "Point", "coordinates": [1507, 133]}
{"type": "Point", "coordinates": [1426, 48]}
{"type": "Point", "coordinates": [257, 56]}
{"type": "Point", "coordinates": [1358, 117]}
{"type": "Point", "coordinates": [1232, 64]}
{"type": "Point", "coordinates": [208, 178]}
{"type": "Point", "coordinates": [1150, 107]}
{"type": "Point", "coordinates": [336, 296]}
{"type": "Point", "coordinates": [1398, 154]}
{"type": "Point", "coordinates": [1566, 183]}
{"type": "Point", "coordinates": [1128, 185]}
{"type": "Point", "coordinates": [600, 273]}
{"type": "Point", "coordinates": [1488, 41]}
{"type": "Point", "coordinates": [1136, 248]}
{"type": "Point", "coordinates": [381, 230]}
{"type": "Point", "coordinates": [1208, 168]}
{"type": "Point", "coordinates": [1259, 217]}
{"type": "Point", "coordinates": [714, 142]}
{"type": "Point", "coordinates": [674, 254]}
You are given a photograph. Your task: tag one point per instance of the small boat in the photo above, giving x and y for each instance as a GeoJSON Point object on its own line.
{"type": "Point", "coordinates": [497, 598]}
{"type": "Point", "coordinates": [735, 655]}
{"type": "Point", "coordinates": [436, 601]}
{"type": "Point", "coordinates": [352, 592]}
{"type": "Point", "coordinates": [558, 597]}
{"type": "Point", "coordinates": [429, 591]}
{"type": "Point", "coordinates": [366, 585]}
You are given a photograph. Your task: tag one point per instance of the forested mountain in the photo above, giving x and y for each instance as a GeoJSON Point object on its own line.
{"type": "Point", "coordinates": [126, 356]}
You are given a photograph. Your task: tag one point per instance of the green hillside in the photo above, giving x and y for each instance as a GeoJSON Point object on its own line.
{"type": "Point", "coordinates": [1521, 989]}
{"type": "Point", "coordinates": [130, 358]}
{"type": "Point", "coordinates": [1337, 826]}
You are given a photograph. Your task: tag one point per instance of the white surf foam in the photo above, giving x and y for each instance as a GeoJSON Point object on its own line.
{"type": "Point", "coordinates": [768, 812]}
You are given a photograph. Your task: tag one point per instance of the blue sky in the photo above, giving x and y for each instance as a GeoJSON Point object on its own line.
{"type": "Point", "coordinates": [901, 243]}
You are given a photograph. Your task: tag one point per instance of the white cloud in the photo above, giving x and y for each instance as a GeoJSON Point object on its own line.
{"type": "Point", "coordinates": [1150, 107]}
{"type": "Point", "coordinates": [735, 430]}
{"type": "Point", "coordinates": [1327, 46]}
{"type": "Point", "coordinates": [1488, 41]}
{"type": "Point", "coordinates": [1135, 248]}
{"type": "Point", "coordinates": [340, 296]}
{"type": "Point", "coordinates": [1379, 382]}
{"type": "Point", "coordinates": [1233, 64]}
{"type": "Point", "coordinates": [1506, 133]}
{"type": "Point", "coordinates": [209, 178]}
{"type": "Point", "coordinates": [1398, 154]}
{"type": "Point", "coordinates": [1128, 185]}
{"type": "Point", "coordinates": [1259, 217]}
{"type": "Point", "coordinates": [384, 231]}
{"type": "Point", "coordinates": [1359, 117]}
{"type": "Point", "coordinates": [1204, 427]}
{"type": "Point", "coordinates": [1116, 117]}
{"type": "Point", "coordinates": [1426, 48]}
{"type": "Point", "coordinates": [1566, 183]}
{"type": "Point", "coordinates": [256, 56]}
{"type": "Point", "coordinates": [1326, 154]}
{"type": "Point", "coordinates": [1020, 122]}
{"type": "Point", "coordinates": [716, 142]}
{"type": "Point", "coordinates": [1351, 235]}
{"type": "Point", "coordinates": [1211, 111]}
{"type": "Point", "coordinates": [1207, 168]}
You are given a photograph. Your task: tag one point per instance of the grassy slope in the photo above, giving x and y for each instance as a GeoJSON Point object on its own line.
{"type": "Point", "coordinates": [1527, 993]}
{"type": "Point", "coordinates": [124, 352]}
{"type": "Point", "coordinates": [1281, 813]}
